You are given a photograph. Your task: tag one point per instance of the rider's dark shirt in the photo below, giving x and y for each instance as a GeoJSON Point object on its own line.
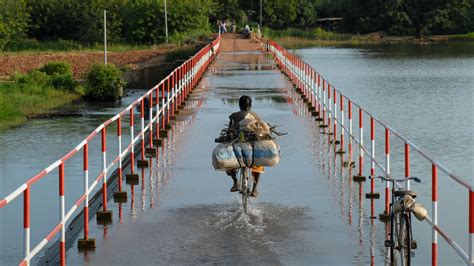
{"type": "Point", "coordinates": [236, 117]}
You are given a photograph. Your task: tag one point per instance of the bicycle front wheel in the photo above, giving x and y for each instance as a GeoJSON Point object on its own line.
{"type": "Point", "coordinates": [403, 243]}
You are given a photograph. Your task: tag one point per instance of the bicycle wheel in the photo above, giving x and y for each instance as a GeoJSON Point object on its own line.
{"type": "Point", "coordinates": [403, 240]}
{"type": "Point", "coordinates": [244, 186]}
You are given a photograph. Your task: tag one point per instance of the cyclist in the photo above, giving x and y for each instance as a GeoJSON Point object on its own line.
{"type": "Point", "coordinates": [245, 103]}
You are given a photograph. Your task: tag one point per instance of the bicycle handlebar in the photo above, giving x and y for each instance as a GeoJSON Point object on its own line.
{"type": "Point", "coordinates": [388, 179]}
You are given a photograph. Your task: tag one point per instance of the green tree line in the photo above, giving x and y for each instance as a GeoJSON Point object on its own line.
{"type": "Point", "coordinates": [142, 21]}
{"type": "Point", "coordinates": [128, 21]}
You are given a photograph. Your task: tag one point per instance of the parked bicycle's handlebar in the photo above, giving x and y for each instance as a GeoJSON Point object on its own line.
{"type": "Point", "coordinates": [389, 179]}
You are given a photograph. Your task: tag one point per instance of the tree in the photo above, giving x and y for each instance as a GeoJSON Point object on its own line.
{"type": "Point", "coordinates": [14, 18]}
{"type": "Point", "coordinates": [279, 13]}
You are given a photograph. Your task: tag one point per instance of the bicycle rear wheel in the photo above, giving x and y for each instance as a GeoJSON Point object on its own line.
{"type": "Point", "coordinates": [244, 186]}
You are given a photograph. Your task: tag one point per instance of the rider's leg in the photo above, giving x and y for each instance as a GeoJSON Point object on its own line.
{"type": "Point", "coordinates": [256, 177]}
{"type": "Point", "coordinates": [233, 175]}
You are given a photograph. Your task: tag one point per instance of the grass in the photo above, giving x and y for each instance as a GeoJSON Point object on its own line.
{"type": "Point", "coordinates": [462, 37]}
{"type": "Point", "coordinates": [36, 92]}
{"type": "Point", "coordinates": [33, 46]}
{"type": "Point", "coordinates": [18, 101]}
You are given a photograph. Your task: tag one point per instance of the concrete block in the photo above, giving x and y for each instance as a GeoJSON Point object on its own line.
{"type": "Point", "coordinates": [104, 217]}
{"type": "Point", "coordinates": [163, 133]}
{"type": "Point", "coordinates": [131, 179]}
{"type": "Point", "coordinates": [314, 113]}
{"type": "Point", "coordinates": [150, 152]}
{"type": "Point", "coordinates": [86, 244]}
{"type": "Point", "coordinates": [142, 163]}
{"type": "Point", "coordinates": [173, 117]}
{"type": "Point", "coordinates": [384, 217]}
{"type": "Point", "coordinates": [120, 196]}
{"type": "Point", "coordinates": [319, 119]}
{"type": "Point", "coordinates": [372, 195]}
{"type": "Point", "coordinates": [157, 142]}
{"type": "Point", "coordinates": [359, 178]}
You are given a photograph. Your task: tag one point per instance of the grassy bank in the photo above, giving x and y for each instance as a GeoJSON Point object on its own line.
{"type": "Point", "coordinates": [18, 101]}
{"type": "Point", "coordinates": [37, 92]}
{"type": "Point", "coordinates": [297, 38]}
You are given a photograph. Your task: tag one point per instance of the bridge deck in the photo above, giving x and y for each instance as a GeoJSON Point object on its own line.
{"type": "Point", "coordinates": [182, 211]}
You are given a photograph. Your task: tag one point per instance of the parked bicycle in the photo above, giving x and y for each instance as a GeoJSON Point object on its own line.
{"type": "Point", "coordinates": [400, 239]}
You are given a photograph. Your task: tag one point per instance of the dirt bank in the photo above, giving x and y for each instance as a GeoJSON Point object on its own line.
{"type": "Point", "coordinates": [80, 61]}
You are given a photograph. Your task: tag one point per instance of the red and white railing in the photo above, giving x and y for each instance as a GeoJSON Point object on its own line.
{"type": "Point", "coordinates": [318, 92]}
{"type": "Point", "coordinates": [174, 88]}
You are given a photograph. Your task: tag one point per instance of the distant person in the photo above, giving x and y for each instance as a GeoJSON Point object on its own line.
{"type": "Point", "coordinates": [247, 29]}
{"type": "Point", "coordinates": [223, 27]}
{"type": "Point", "coordinates": [234, 26]}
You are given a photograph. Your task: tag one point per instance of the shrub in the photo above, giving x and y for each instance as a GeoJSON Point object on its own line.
{"type": "Point", "coordinates": [103, 82]}
{"type": "Point", "coordinates": [34, 77]}
{"type": "Point", "coordinates": [64, 81]}
{"type": "Point", "coordinates": [59, 67]}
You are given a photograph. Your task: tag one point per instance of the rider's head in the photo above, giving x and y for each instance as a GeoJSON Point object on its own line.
{"type": "Point", "coordinates": [245, 102]}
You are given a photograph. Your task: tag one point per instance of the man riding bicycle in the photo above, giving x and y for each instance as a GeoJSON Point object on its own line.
{"type": "Point", "coordinates": [245, 103]}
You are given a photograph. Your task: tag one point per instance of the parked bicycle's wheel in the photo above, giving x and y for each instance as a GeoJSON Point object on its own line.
{"type": "Point", "coordinates": [402, 240]}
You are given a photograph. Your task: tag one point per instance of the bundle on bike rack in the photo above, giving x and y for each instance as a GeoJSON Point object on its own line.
{"type": "Point", "coordinates": [250, 145]}
{"type": "Point", "coordinates": [234, 155]}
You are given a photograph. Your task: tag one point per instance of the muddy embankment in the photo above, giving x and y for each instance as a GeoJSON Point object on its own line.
{"type": "Point", "coordinates": [143, 68]}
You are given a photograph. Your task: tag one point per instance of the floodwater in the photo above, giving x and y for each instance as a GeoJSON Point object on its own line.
{"type": "Point", "coordinates": [308, 211]}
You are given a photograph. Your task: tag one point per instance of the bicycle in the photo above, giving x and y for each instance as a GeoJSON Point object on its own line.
{"type": "Point", "coordinates": [402, 205]}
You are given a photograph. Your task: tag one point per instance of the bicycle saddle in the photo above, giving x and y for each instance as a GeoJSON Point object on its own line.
{"type": "Point", "coordinates": [401, 193]}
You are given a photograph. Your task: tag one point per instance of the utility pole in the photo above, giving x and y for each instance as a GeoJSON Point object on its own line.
{"type": "Point", "coordinates": [166, 23]}
{"type": "Point", "coordinates": [105, 37]}
{"type": "Point", "coordinates": [261, 7]}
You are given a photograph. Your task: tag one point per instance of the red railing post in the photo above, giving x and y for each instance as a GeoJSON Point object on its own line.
{"type": "Point", "coordinates": [341, 100]}
{"type": "Point", "coordinates": [350, 131]}
{"type": "Point", "coordinates": [361, 142]}
{"type": "Point", "coordinates": [150, 117]}
{"type": "Point", "coordinates": [26, 224]}
{"type": "Point", "coordinates": [335, 116]}
{"type": "Point", "coordinates": [119, 137]}
{"type": "Point", "coordinates": [471, 226]}
{"type": "Point", "coordinates": [163, 115]}
{"type": "Point", "coordinates": [62, 241]}
{"type": "Point", "coordinates": [104, 169]}
{"type": "Point", "coordinates": [407, 165]}
{"type": "Point", "coordinates": [86, 190]}
{"type": "Point", "coordinates": [387, 169]}
{"type": "Point", "coordinates": [142, 132]}
{"type": "Point", "coordinates": [434, 213]}
{"type": "Point", "coordinates": [132, 152]}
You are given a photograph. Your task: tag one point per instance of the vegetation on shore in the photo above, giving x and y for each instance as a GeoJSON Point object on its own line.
{"type": "Point", "coordinates": [104, 83]}
{"type": "Point", "coordinates": [297, 38]}
{"type": "Point", "coordinates": [37, 92]}
{"type": "Point", "coordinates": [68, 25]}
